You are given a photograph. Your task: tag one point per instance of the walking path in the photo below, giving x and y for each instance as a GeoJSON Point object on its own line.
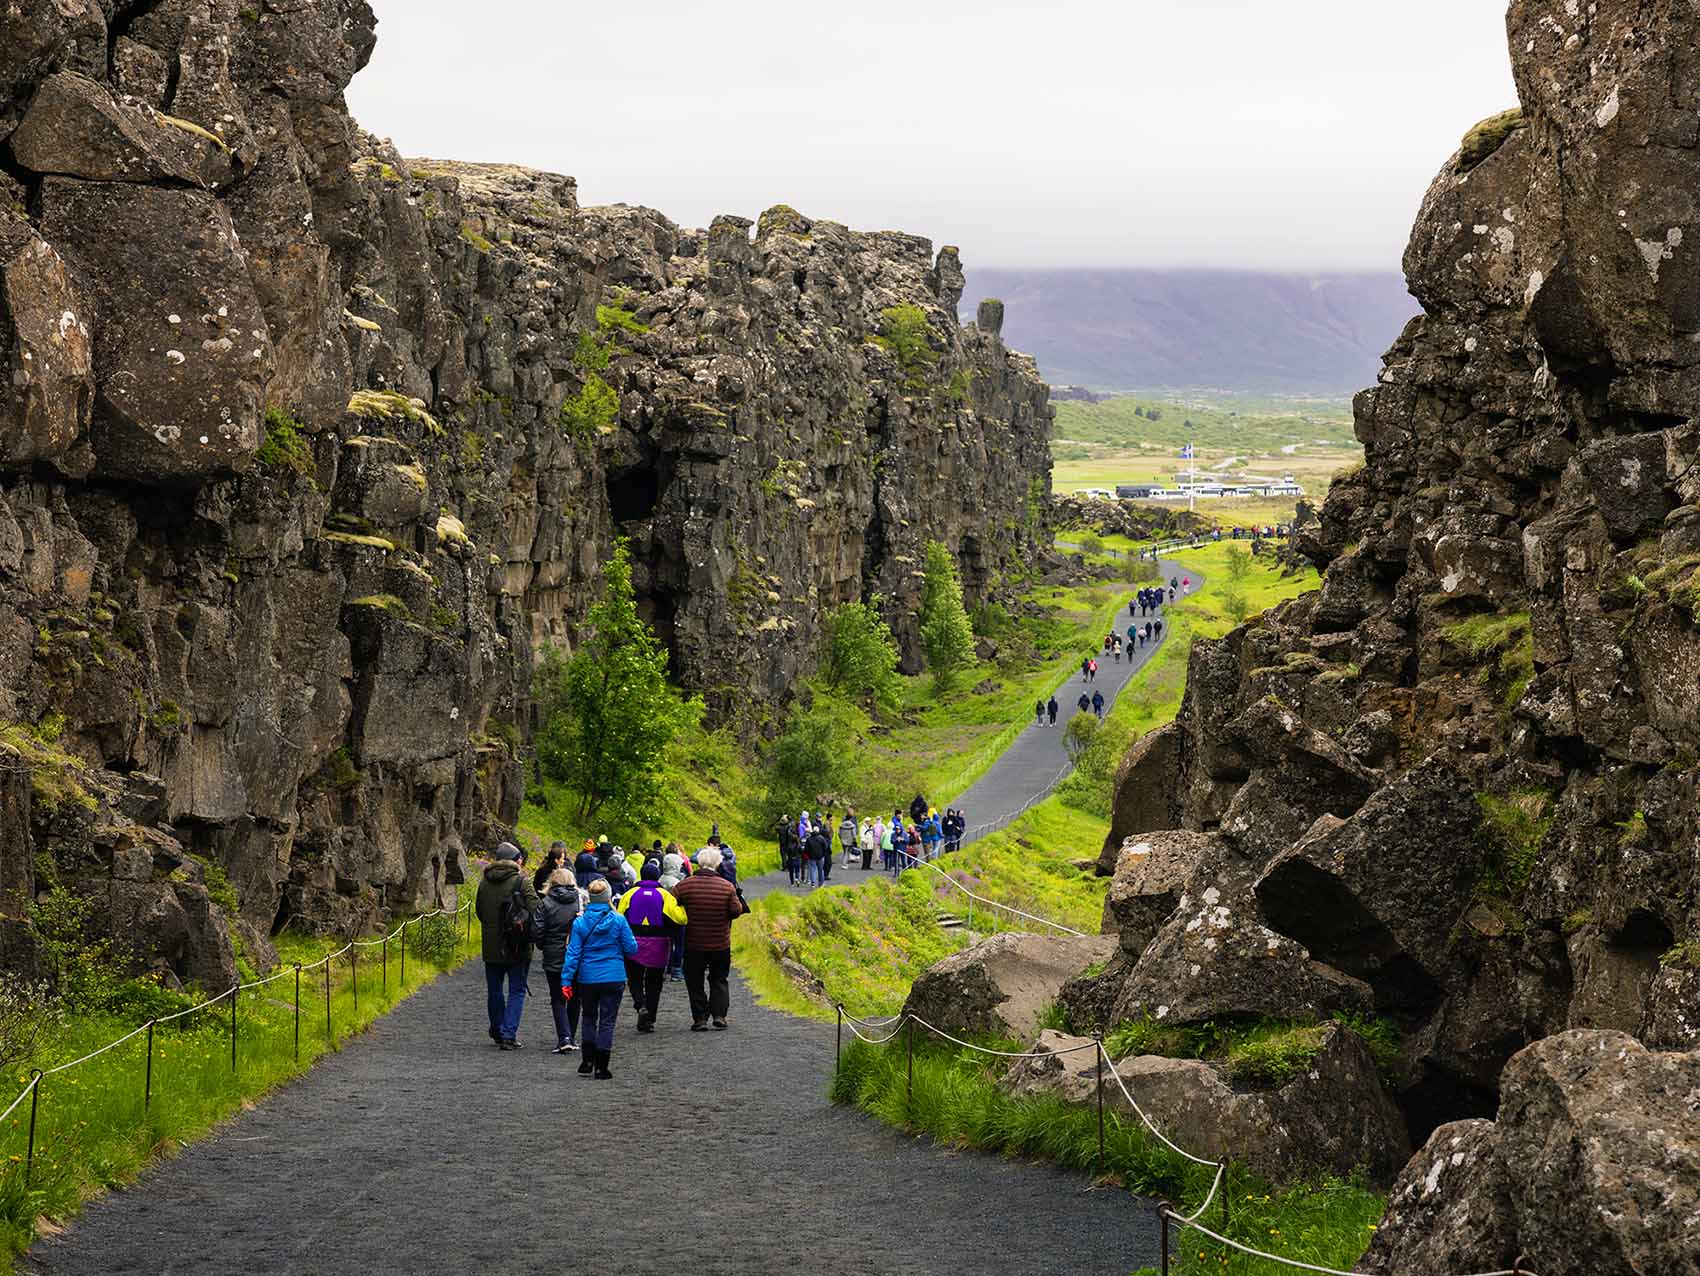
{"type": "Point", "coordinates": [418, 1148]}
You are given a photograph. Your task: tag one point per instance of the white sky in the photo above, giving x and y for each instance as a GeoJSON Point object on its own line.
{"type": "Point", "coordinates": [1272, 133]}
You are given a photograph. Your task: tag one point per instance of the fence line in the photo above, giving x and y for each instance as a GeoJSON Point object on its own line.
{"type": "Point", "coordinates": [904, 1025]}
{"type": "Point", "coordinates": [32, 1090]}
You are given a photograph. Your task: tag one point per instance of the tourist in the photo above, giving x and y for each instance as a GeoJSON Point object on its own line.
{"type": "Point", "coordinates": [594, 970]}
{"type": "Point", "coordinates": [551, 923]}
{"type": "Point", "coordinates": [1051, 710]}
{"type": "Point", "coordinates": [710, 903]}
{"type": "Point", "coordinates": [1098, 704]}
{"type": "Point", "coordinates": [728, 867]}
{"type": "Point", "coordinates": [654, 915]}
{"type": "Point", "coordinates": [546, 870]}
{"type": "Point", "coordinates": [1085, 667]}
{"type": "Point", "coordinates": [1038, 713]}
{"type": "Point", "coordinates": [816, 851]}
{"type": "Point", "coordinates": [675, 868]}
{"type": "Point", "coordinates": [1157, 631]}
{"type": "Point", "coordinates": [790, 850]}
{"type": "Point", "coordinates": [849, 837]}
{"type": "Point", "coordinates": [889, 842]}
{"type": "Point", "coordinates": [584, 867]}
{"type": "Point", "coordinates": [825, 825]}
{"type": "Point", "coordinates": [912, 848]}
{"type": "Point", "coordinates": [505, 895]}
{"type": "Point", "coordinates": [931, 835]}
{"type": "Point", "coordinates": [871, 834]}
{"type": "Point", "coordinates": [1084, 702]}
{"type": "Point", "coordinates": [918, 809]}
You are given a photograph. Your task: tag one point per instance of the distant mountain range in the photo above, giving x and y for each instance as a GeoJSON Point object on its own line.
{"type": "Point", "coordinates": [1236, 330]}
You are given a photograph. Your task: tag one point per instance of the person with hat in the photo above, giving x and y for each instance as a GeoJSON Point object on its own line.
{"type": "Point", "coordinates": [593, 970]}
{"type": "Point", "coordinates": [655, 917]}
{"type": "Point", "coordinates": [584, 867]}
{"type": "Point", "coordinates": [507, 953]}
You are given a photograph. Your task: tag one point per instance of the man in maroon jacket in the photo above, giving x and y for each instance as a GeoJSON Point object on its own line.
{"type": "Point", "coordinates": [710, 903]}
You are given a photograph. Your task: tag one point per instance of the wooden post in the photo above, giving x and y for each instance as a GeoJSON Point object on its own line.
{"type": "Point", "coordinates": [147, 1084]}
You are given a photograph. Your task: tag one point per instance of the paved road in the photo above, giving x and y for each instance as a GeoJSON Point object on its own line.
{"type": "Point", "coordinates": [1034, 763]}
{"type": "Point", "coordinates": [419, 1148]}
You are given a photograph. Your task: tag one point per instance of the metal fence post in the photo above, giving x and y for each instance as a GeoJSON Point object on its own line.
{"type": "Point", "coordinates": [838, 1044]}
{"type": "Point", "coordinates": [354, 978]}
{"type": "Point", "coordinates": [386, 964]}
{"type": "Point", "coordinates": [909, 1085]}
{"type": "Point", "coordinates": [235, 994]}
{"type": "Point", "coordinates": [1098, 1038]}
{"type": "Point", "coordinates": [1227, 1193]}
{"type": "Point", "coordinates": [297, 1012]}
{"type": "Point", "coordinates": [35, 1102]}
{"type": "Point", "coordinates": [147, 1081]}
{"type": "Point", "coordinates": [327, 1001]}
{"type": "Point", "coordinates": [1163, 1235]}
{"type": "Point", "coordinates": [404, 956]}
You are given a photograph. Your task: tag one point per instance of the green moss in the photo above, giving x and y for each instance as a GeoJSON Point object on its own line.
{"type": "Point", "coordinates": [1577, 920]}
{"type": "Point", "coordinates": [338, 770]}
{"type": "Point", "coordinates": [1507, 635]}
{"type": "Point", "coordinates": [1488, 136]}
{"type": "Point", "coordinates": [383, 602]}
{"type": "Point", "coordinates": [387, 405]}
{"type": "Point", "coordinates": [356, 538]}
{"type": "Point", "coordinates": [167, 717]}
{"type": "Point", "coordinates": [55, 775]}
{"type": "Point", "coordinates": [191, 128]}
{"type": "Point", "coordinates": [472, 449]}
{"type": "Point", "coordinates": [470, 234]}
{"type": "Point", "coordinates": [612, 319]}
{"type": "Point", "coordinates": [960, 382]}
{"type": "Point", "coordinates": [1513, 829]}
{"type": "Point", "coordinates": [904, 332]}
{"type": "Point", "coordinates": [1685, 955]}
{"type": "Point", "coordinates": [285, 447]}
{"type": "Point", "coordinates": [220, 890]}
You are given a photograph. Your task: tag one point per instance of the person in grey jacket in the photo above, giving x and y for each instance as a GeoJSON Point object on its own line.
{"type": "Point", "coordinates": [551, 925]}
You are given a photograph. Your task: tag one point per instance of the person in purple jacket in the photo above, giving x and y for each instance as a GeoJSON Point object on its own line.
{"type": "Point", "coordinates": [655, 917]}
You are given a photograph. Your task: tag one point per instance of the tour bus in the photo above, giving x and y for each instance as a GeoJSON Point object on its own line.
{"type": "Point", "coordinates": [1137, 491]}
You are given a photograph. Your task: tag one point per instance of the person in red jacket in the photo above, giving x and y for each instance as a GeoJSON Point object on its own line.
{"type": "Point", "coordinates": [710, 903]}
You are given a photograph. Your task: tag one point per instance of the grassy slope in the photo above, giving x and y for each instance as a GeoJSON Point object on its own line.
{"type": "Point", "coordinates": [92, 1132]}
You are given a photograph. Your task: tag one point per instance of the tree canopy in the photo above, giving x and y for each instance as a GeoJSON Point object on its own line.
{"type": "Point", "coordinates": [946, 633]}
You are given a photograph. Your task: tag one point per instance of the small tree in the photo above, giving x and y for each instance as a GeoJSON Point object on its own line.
{"type": "Point", "coordinates": [859, 656]}
{"type": "Point", "coordinates": [946, 634]}
{"type": "Point", "coordinates": [1239, 563]}
{"type": "Point", "coordinates": [1078, 735]}
{"type": "Point", "coordinates": [815, 760]}
{"type": "Point", "coordinates": [1235, 604]}
{"type": "Point", "coordinates": [608, 711]}
{"type": "Point", "coordinates": [1091, 544]}
{"type": "Point", "coordinates": [903, 331]}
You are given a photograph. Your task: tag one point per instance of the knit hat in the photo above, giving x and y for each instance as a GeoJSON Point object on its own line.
{"type": "Point", "coordinates": [603, 840]}
{"type": "Point", "coordinates": [589, 845]}
{"type": "Point", "coordinates": [651, 870]}
{"type": "Point", "coordinates": [599, 889]}
{"type": "Point", "coordinates": [506, 851]}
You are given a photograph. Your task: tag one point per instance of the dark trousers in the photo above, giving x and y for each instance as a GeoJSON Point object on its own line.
{"type": "Point", "coordinates": [566, 1012]}
{"type": "Point", "coordinates": [645, 982]}
{"type": "Point", "coordinates": [601, 1008]}
{"type": "Point", "coordinates": [867, 858]}
{"type": "Point", "coordinates": [717, 967]}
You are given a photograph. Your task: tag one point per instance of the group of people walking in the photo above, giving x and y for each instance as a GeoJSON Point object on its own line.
{"type": "Point", "coordinates": [606, 930]}
{"type": "Point", "coordinates": [1144, 602]}
{"type": "Point", "coordinates": [805, 844]}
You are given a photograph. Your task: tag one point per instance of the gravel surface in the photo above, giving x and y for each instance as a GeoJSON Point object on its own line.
{"type": "Point", "coordinates": [420, 1148]}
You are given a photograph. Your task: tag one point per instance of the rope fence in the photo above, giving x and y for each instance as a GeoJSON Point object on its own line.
{"type": "Point", "coordinates": [904, 1025]}
{"type": "Point", "coordinates": [32, 1090]}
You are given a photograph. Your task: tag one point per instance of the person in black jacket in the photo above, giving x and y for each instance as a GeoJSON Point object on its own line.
{"type": "Point", "coordinates": [551, 924]}
{"type": "Point", "coordinates": [790, 850]}
{"type": "Point", "coordinates": [918, 809]}
{"type": "Point", "coordinates": [584, 867]}
{"type": "Point", "coordinates": [818, 849]}
{"type": "Point", "coordinates": [1051, 710]}
{"type": "Point", "coordinates": [545, 870]}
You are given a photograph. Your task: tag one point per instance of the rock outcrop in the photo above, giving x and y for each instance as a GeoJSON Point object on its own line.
{"type": "Point", "coordinates": [1462, 776]}
{"type": "Point", "coordinates": [305, 449]}
{"type": "Point", "coordinates": [1001, 986]}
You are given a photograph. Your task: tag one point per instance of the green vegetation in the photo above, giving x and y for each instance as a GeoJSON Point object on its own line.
{"type": "Point", "coordinates": [608, 712]}
{"type": "Point", "coordinates": [1507, 636]}
{"type": "Point", "coordinates": [56, 777]}
{"type": "Point", "coordinates": [590, 412]}
{"type": "Point", "coordinates": [612, 319]}
{"type": "Point", "coordinates": [285, 446]}
{"type": "Point", "coordinates": [1267, 1053]}
{"type": "Point", "coordinates": [859, 656]}
{"type": "Point", "coordinates": [946, 633]}
{"type": "Point", "coordinates": [956, 1100]}
{"type": "Point", "coordinates": [387, 405]}
{"type": "Point", "coordinates": [93, 1131]}
{"type": "Point", "coordinates": [815, 762]}
{"type": "Point", "coordinates": [1513, 829]}
{"type": "Point", "coordinates": [471, 235]}
{"type": "Point", "coordinates": [903, 331]}
{"type": "Point", "coordinates": [1488, 136]}
{"type": "Point", "coordinates": [1245, 428]}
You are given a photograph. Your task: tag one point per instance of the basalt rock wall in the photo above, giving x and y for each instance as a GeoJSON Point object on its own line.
{"type": "Point", "coordinates": [1456, 787]}
{"type": "Point", "coordinates": [305, 449]}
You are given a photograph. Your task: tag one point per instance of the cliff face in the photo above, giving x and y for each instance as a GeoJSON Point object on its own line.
{"type": "Point", "coordinates": [1457, 785]}
{"type": "Point", "coordinates": [304, 450]}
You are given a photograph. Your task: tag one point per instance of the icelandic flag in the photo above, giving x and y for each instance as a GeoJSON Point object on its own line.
{"type": "Point", "coordinates": [1186, 452]}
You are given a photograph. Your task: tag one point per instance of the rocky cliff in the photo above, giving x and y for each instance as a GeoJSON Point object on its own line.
{"type": "Point", "coordinates": [1457, 786]}
{"type": "Point", "coordinates": [306, 448]}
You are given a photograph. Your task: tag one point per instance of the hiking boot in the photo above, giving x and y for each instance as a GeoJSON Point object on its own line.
{"type": "Point", "coordinates": [645, 1022]}
{"type": "Point", "coordinates": [602, 1073]}
{"type": "Point", "coordinates": [587, 1065]}
{"type": "Point", "coordinates": [699, 1026]}
{"type": "Point", "coordinates": [495, 1036]}
{"type": "Point", "coordinates": [509, 1043]}
{"type": "Point", "coordinates": [720, 1025]}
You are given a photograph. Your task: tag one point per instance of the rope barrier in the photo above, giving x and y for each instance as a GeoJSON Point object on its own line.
{"type": "Point", "coordinates": [1303, 1266]}
{"type": "Point", "coordinates": [1215, 1186]}
{"type": "Point", "coordinates": [1149, 1123]}
{"type": "Point", "coordinates": [95, 1054]}
{"type": "Point", "coordinates": [992, 903]}
{"type": "Point", "coordinates": [21, 1097]}
{"type": "Point", "coordinates": [1002, 1054]}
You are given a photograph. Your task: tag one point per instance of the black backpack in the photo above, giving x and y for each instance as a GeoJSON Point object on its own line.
{"type": "Point", "coordinates": [516, 920]}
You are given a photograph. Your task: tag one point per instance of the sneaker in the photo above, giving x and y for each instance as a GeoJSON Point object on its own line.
{"type": "Point", "coordinates": [508, 1043]}
{"type": "Point", "coordinates": [699, 1026]}
{"type": "Point", "coordinates": [645, 1023]}
{"type": "Point", "coordinates": [720, 1025]}
{"type": "Point", "coordinates": [495, 1036]}
{"type": "Point", "coordinates": [565, 1047]}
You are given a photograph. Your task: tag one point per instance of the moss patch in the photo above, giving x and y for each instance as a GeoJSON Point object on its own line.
{"type": "Point", "coordinates": [1488, 136]}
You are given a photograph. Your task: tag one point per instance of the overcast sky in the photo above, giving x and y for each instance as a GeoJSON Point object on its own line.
{"type": "Point", "coordinates": [1297, 134]}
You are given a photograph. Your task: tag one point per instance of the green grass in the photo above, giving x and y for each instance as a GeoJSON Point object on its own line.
{"type": "Point", "coordinates": [1242, 427]}
{"type": "Point", "coordinates": [93, 1132]}
{"type": "Point", "coordinates": [1507, 636]}
{"type": "Point", "coordinates": [956, 1101]}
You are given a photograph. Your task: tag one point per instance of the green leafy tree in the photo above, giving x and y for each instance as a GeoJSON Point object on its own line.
{"type": "Point", "coordinates": [947, 636]}
{"type": "Point", "coordinates": [903, 331]}
{"type": "Point", "coordinates": [608, 711]}
{"type": "Point", "coordinates": [859, 656]}
{"type": "Point", "coordinates": [1235, 604]}
{"type": "Point", "coordinates": [815, 762]}
{"type": "Point", "coordinates": [1239, 563]}
{"type": "Point", "coordinates": [1078, 735]}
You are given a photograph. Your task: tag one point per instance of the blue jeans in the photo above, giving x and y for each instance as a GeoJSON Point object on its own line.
{"type": "Point", "coordinates": [505, 1013]}
{"type": "Point", "coordinates": [601, 1004]}
{"type": "Point", "coordinates": [815, 876]}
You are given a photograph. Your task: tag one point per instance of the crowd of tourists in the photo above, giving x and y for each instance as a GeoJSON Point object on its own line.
{"type": "Point", "coordinates": [608, 925]}
{"type": "Point", "coordinates": [805, 844]}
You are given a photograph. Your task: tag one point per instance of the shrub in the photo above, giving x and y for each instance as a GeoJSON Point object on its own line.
{"type": "Point", "coordinates": [903, 331]}
{"type": "Point", "coordinates": [436, 939]}
{"type": "Point", "coordinates": [859, 655]}
{"type": "Point", "coordinates": [26, 1017]}
{"type": "Point", "coordinates": [946, 634]}
{"type": "Point", "coordinates": [285, 447]}
{"type": "Point", "coordinates": [591, 411]}
{"type": "Point", "coordinates": [1078, 735]}
{"type": "Point", "coordinates": [814, 761]}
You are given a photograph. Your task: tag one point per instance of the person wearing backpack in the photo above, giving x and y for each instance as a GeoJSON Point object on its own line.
{"type": "Point", "coordinates": [594, 969]}
{"type": "Point", "coordinates": [655, 918]}
{"type": "Point", "coordinates": [505, 903]}
{"type": "Point", "coordinates": [551, 923]}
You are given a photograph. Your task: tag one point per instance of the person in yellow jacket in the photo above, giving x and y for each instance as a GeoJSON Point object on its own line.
{"type": "Point", "coordinates": [655, 917]}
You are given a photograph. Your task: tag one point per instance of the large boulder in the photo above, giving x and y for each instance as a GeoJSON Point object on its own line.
{"type": "Point", "coordinates": [1000, 986]}
{"type": "Point", "coordinates": [1147, 791]}
{"type": "Point", "coordinates": [1593, 1165]}
{"type": "Point", "coordinates": [1334, 1117]}
{"type": "Point", "coordinates": [46, 352]}
{"type": "Point", "coordinates": [75, 127]}
{"type": "Point", "coordinates": [1151, 874]}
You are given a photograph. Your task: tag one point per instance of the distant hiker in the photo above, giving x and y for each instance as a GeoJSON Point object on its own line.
{"type": "Point", "coordinates": [817, 849]}
{"type": "Point", "coordinates": [918, 809]}
{"type": "Point", "coordinates": [1157, 630]}
{"type": "Point", "coordinates": [1133, 602]}
{"type": "Point", "coordinates": [912, 846]}
{"type": "Point", "coordinates": [551, 924]}
{"type": "Point", "coordinates": [505, 903]}
{"type": "Point", "coordinates": [955, 825]}
{"type": "Point", "coordinates": [790, 850]}
{"type": "Point", "coordinates": [1186, 584]}
{"type": "Point", "coordinates": [888, 839]}
{"type": "Point", "coordinates": [594, 969]}
{"type": "Point", "coordinates": [584, 867]}
{"type": "Point", "coordinates": [1098, 704]}
{"type": "Point", "coordinates": [655, 916]}
{"type": "Point", "coordinates": [1086, 666]}
{"type": "Point", "coordinates": [849, 837]}
{"type": "Point", "coordinates": [710, 903]}
{"type": "Point", "coordinates": [870, 842]}
{"type": "Point", "coordinates": [1171, 594]}
{"type": "Point", "coordinates": [1092, 673]}
{"type": "Point", "coordinates": [824, 824]}
{"type": "Point", "coordinates": [1085, 703]}
{"type": "Point", "coordinates": [1051, 710]}
{"type": "Point", "coordinates": [1132, 637]}
{"type": "Point", "coordinates": [545, 870]}
{"type": "Point", "coordinates": [1038, 713]}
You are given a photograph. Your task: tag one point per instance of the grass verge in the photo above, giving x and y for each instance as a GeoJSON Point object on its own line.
{"type": "Point", "coordinates": [94, 1131]}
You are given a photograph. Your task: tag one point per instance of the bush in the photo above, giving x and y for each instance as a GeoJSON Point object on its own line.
{"type": "Point", "coordinates": [1078, 735]}
{"type": "Point", "coordinates": [903, 331]}
{"type": "Point", "coordinates": [1234, 602]}
{"type": "Point", "coordinates": [859, 656]}
{"type": "Point", "coordinates": [436, 939]}
{"type": "Point", "coordinates": [1091, 544]}
{"type": "Point", "coordinates": [592, 410]}
{"type": "Point", "coordinates": [815, 762]}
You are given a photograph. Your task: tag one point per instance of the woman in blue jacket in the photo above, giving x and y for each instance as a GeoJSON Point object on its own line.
{"type": "Point", "coordinates": [594, 965]}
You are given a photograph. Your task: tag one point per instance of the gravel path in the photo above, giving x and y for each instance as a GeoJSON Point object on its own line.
{"type": "Point", "coordinates": [419, 1148]}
